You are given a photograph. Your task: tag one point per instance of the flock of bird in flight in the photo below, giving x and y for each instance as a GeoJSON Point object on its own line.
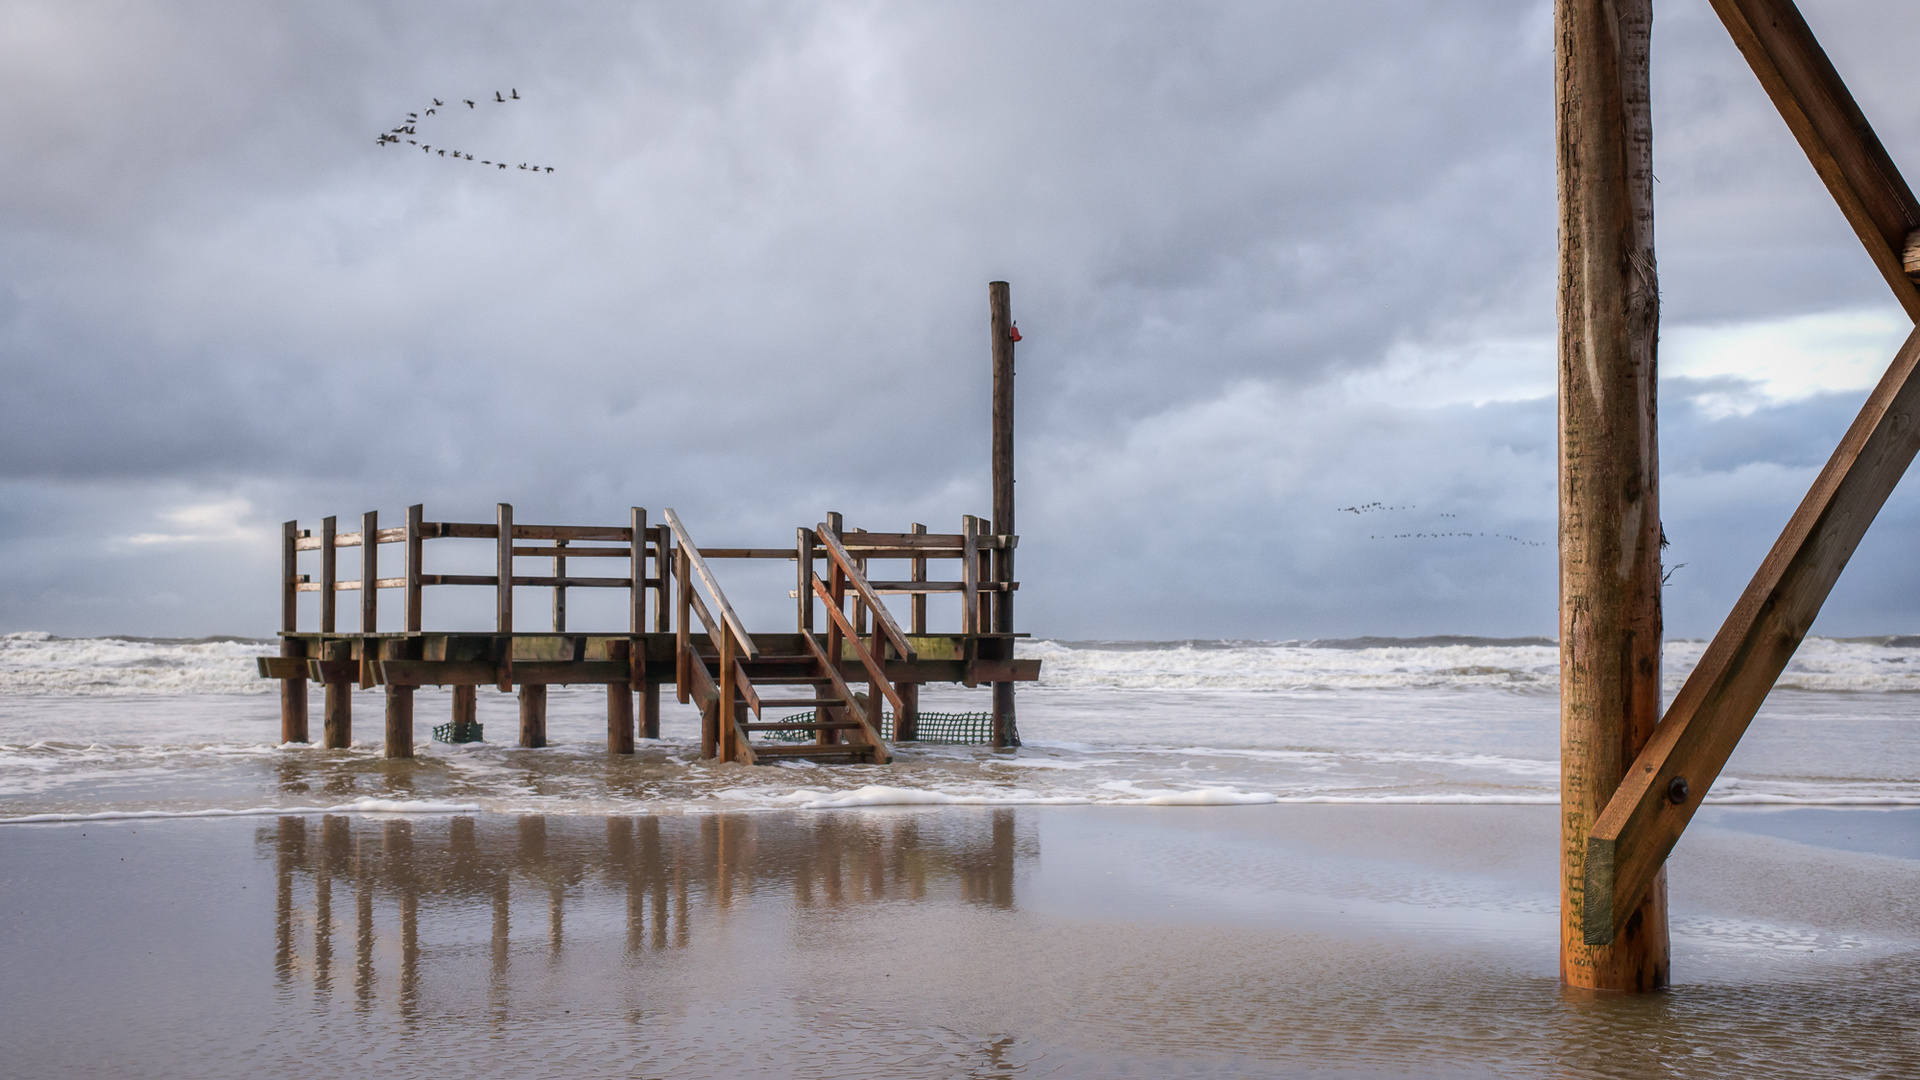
{"type": "Point", "coordinates": [1378, 507]}
{"type": "Point", "coordinates": [409, 127]}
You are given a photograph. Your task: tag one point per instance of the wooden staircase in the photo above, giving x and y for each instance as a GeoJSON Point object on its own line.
{"type": "Point", "coordinates": [726, 682]}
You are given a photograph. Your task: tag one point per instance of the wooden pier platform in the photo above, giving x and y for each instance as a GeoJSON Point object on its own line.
{"type": "Point", "coordinates": [683, 632]}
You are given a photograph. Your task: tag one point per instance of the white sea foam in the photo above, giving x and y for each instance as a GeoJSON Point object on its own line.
{"type": "Point", "coordinates": [1885, 664]}
{"type": "Point", "coordinates": [37, 663]}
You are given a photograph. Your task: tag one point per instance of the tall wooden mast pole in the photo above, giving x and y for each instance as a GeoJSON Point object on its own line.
{"type": "Point", "coordinates": [1609, 314]}
{"type": "Point", "coordinates": [1000, 317]}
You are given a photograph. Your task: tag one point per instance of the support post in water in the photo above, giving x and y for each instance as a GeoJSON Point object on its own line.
{"type": "Point", "coordinates": [1610, 622]}
{"type": "Point", "coordinates": [339, 708]}
{"type": "Point", "coordinates": [293, 692]}
{"type": "Point", "coordinates": [533, 715]}
{"type": "Point", "coordinates": [1000, 315]}
{"type": "Point", "coordinates": [399, 743]}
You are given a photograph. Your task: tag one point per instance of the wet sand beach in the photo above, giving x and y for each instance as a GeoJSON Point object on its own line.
{"type": "Point", "coordinates": [938, 941]}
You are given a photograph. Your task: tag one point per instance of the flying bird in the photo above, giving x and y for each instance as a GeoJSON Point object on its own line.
{"type": "Point", "coordinates": [437, 101]}
{"type": "Point", "coordinates": [429, 112]}
{"type": "Point", "coordinates": [413, 116]}
{"type": "Point", "coordinates": [497, 97]}
{"type": "Point", "coordinates": [549, 168]}
{"type": "Point", "coordinates": [516, 95]}
{"type": "Point", "coordinates": [469, 103]}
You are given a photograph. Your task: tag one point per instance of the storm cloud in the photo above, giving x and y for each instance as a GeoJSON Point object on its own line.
{"type": "Point", "coordinates": [1269, 260]}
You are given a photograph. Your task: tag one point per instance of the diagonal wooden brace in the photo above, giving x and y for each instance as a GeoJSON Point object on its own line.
{"type": "Point", "coordinates": [1665, 784]}
{"type": "Point", "coordinates": [1823, 116]}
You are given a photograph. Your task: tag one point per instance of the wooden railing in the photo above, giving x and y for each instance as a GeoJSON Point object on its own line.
{"type": "Point", "coordinates": [720, 735]}
{"type": "Point", "coordinates": [637, 543]}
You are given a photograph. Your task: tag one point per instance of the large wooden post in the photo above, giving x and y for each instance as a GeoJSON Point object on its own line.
{"type": "Point", "coordinates": [533, 715]}
{"type": "Point", "coordinates": [1000, 315]}
{"type": "Point", "coordinates": [293, 692]}
{"type": "Point", "coordinates": [399, 741]}
{"type": "Point", "coordinates": [1610, 625]}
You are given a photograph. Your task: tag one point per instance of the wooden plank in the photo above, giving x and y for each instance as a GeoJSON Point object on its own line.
{"type": "Point", "coordinates": [915, 540]}
{"type": "Point", "coordinates": [462, 530]}
{"type": "Point", "coordinates": [284, 666]}
{"type": "Point", "coordinates": [746, 553]}
{"type": "Point", "coordinates": [743, 686]}
{"type": "Point", "coordinates": [566, 549]}
{"type": "Point", "coordinates": [489, 580]}
{"type": "Point", "coordinates": [416, 518]}
{"type": "Point", "coordinates": [390, 536]}
{"type": "Point", "coordinates": [1831, 129]}
{"type": "Point", "coordinates": [306, 541]}
{"type": "Point", "coordinates": [1609, 474]}
{"type": "Point", "coordinates": [742, 638]}
{"type": "Point", "coordinates": [503, 585]}
{"type": "Point", "coordinates": [370, 573]}
{"type": "Point", "coordinates": [883, 619]}
{"type": "Point", "coordinates": [1666, 782]}
{"type": "Point", "coordinates": [616, 533]}
{"type": "Point", "coordinates": [328, 576]}
{"type": "Point", "coordinates": [867, 660]}
{"type": "Point", "coordinates": [346, 540]}
{"type": "Point", "coordinates": [327, 671]}
{"type": "Point", "coordinates": [882, 753]}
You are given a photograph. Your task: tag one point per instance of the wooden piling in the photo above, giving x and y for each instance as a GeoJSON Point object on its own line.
{"type": "Point", "coordinates": [533, 715]}
{"type": "Point", "coordinates": [1000, 309]}
{"type": "Point", "coordinates": [466, 708]}
{"type": "Point", "coordinates": [399, 742]}
{"type": "Point", "coordinates": [619, 718]}
{"type": "Point", "coordinates": [293, 692]}
{"type": "Point", "coordinates": [338, 720]}
{"type": "Point", "coordinates": [1610, 621]}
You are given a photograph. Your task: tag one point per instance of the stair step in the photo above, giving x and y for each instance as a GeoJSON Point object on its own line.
{"type": "Point", "coordinates": [771, 750]}
{"type": "Point", "coordinates": [804, 725]}
{"type": "Point", "coordinates": [800, 702]}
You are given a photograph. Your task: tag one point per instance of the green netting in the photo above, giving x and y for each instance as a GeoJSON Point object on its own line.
{"type": "Point", "coordinates": [455, 732]}
{"type": "Point", "coordinates": [954, 729]}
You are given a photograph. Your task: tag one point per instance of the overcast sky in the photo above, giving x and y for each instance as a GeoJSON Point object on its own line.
{"type": "Point", "coordinates": [1270, 259]}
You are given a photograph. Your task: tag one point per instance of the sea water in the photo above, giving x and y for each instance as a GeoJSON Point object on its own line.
{"type": "Point", "coordinates": [119, 726]}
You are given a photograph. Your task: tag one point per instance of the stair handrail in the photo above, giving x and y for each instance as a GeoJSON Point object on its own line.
{"type": "Point", "coordinates": [691, 552]}
{"type": "Point", "coordinates": [876, 672]}
{"type": "Point", "coordinates": [882, 754]}
{"type": "Point", "coordinates": [882, 618]}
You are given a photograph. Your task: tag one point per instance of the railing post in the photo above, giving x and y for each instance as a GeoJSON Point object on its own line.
{"type": "Point", "coordinates": [328, 561]}
{"type": "Point", "coordinates": [637, 625]}
{"type": "Point", "coordinates": [416, 515]}
{"type": "Point", "coordinates": [503, 592]}
{"type": "Point", "coordinates": [969, 574]}
{"type": "Point", "coordinates": [906, 726]}
{"type": "Point", "coordinates": [559, 591]}
{"type": "Point", "coordinates": [370, 572]}
{"type": "Point", "coordinates": [803, 573]}
{"type": "Point", "coordinates": [293, 692]}
{"type": "Point", "coordinates": [683, 635]}
{"type": "Point", "coordinates": [729, 741]}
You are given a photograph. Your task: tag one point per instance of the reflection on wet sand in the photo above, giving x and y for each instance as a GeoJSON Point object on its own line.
{"type": "Point", "coordinates": [659, 871]}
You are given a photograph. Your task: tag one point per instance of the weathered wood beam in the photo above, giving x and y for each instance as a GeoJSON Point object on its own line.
{"type": "Point", "coordinates": [1837, 139]}
{"type": "Point", "coordinates": [1609, 470]}
{"type": "Point", "coordinates": [1665, 784]}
